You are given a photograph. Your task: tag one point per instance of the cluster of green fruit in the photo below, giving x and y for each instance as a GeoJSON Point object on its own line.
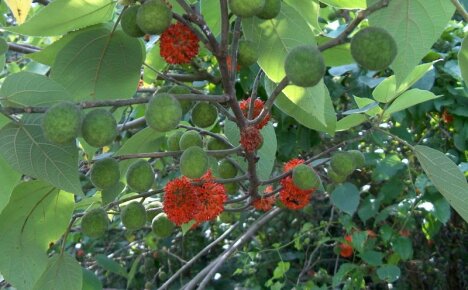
{"type": "Point", "coordinates": [134, 216]}
{"type": "Point", "coordinates": [152, 17]}
{"type": "Point", "coordinates": [264, 9]}
{"type": "Point", "coordinates": [343, 163]}
{"type": "Point", "coordinates": [63, 122]}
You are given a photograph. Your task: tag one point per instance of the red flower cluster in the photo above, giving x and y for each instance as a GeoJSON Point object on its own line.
{"type": "Point", "coordinates": [178, 44]}
{"type": "Point", "coordinates": [346, 250]}
{"type": "Point", "coordinates": [258, 107]}
{"type": "Point", "coordinates": [185, 201]}
{"type": "Point", "coordinates": [291, 196]}
{"type": "Point", "coordinates": [251, 139]}
{"type": "Point", "coordinates": [264, 203]}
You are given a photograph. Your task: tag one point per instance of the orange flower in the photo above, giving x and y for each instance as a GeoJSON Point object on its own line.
{"type": "Point", "coordinates": [264, 203]}
{"type": "Point", "coordinates": [291, 196]}
{"type": "Point", "coordinates": [178, 44]}
{"type": "Point", "coordinates": [258, 107]}
{"type": "Point", "coordinates": [229, 63]}
{"type": "Point", "coordinates": [346, 250]}
{"type": "Point", "coordinates": [251, 139]}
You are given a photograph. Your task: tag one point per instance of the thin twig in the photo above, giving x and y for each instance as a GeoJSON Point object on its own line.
{"type": "Point", "coordinates": [460, 9]}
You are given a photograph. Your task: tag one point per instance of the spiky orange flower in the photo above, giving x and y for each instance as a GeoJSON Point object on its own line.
{"type": "Point", "coordinates": [346, 250]}
{"type": "Point", "coordinates": [251, 138]}
{"type": "Point", "coordinates": [265, 203]}
{"type": "Point", "coordinates": [292, 163]}
{"type": "Point", "coordinates": [211, 197]}
{"type": "Point", "coordinates": [178, 44]}
{"type": "Point", "coordinates": [291, 196]}
{"type": "Point", "coordinates": [258, 107]}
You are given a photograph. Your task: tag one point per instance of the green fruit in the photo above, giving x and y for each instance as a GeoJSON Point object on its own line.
{"type": "Point", "coordinates": [162, 226]}
{"type": "Point", "coordinates": [248, 53]}
{"type": "Point", "coordinates": [189, 139]}
{"type": "Point", "coordinates": [133, 216]}
{"type": "Point", "coordinates": [105, 173]}
{"type": "Point", "coordinates": [193, 162]}
{"type": "Point", "coordinates": [154, 17]}
{"type": "Point", "coordinates": [359, 158]}
{"type": "Point", "coordinates": [173, 141]}
{"type": "Point", "coordinates": [61, 123]}
{"type": "Point", "coordinates": [3, 46]}
{"type": "Point", "coordinates": [342, 163]}
{"type": "Point", "coordinates": [162, 276]}
{"type": "Point", "coordinates": [204, 115]}
{"type": "Point", "coordinates": [305, 177]}
{"type": "Point", "coordinates": [335, 177]}
{"type": "Point", "coordinates": [304, 66]}
{"type": "Point", "coordinates": [231, 188]}
{"type": "Point", "coordinates": [94, 223]}
{"type": "Point", "coordinates": [246, 8]}
{"type": "Point", "coordinates": [179, 90]}
{"type": "Point", "coordinates": [99, 128]}
{"type": "Point", "coordinates": [163, 112]}
{"type": "Point", "coordinates": [270, 10]}
{"type": "Point", "coordinates": [216, 144]}
{"type": "Point", "coordinates": [140, 176]}
{"type": "Point", "coordinates": [226, 169]}
{"type": "Point", "coordinates": [373, 48]}
{"type": "Point", "coordinates": [129, 24]}
{"type": "Point", "coordinates": [153, 209]}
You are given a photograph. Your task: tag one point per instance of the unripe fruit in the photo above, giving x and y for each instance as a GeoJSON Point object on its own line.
{"type": "Point", "coordinates": [163, 112]}
{"type": "Point", "coordinates": [247, 54]}
{"type": "Point", "coordinates": [359, 158]}
{"type": "Point", "coordinates": [204, 114]}
{"type": "Point", "coordinates": [140, 176]}
{"type": "Point", "coordinates": [154, 17]}
{"type": "Point", "coordinates": [246, 8]}
{"type": "Point", "coordinates": [270, 10]}
{"type": "Point", "coordinates": [342, 163]}
{"type": "Point", "coordinates": [99, 128]}
{"type": "Point", "coordinates": [189, 139]}
{"type": "Point", "coordinates": [231, 188]}
{"type": "Point", "coordinates": [216, 144]}
{"type": "Point", "coordinates": [105, 173]}
{"type": "Point", "coordinates": [133, 216]}
{"type": "Point", "coordinates": [179, 90]}
{"type": "Point", "coordinates": [128, 22]}
{"type": "Point", "coordinates": [335, 177]}
{"type": "Point", "coordinates": [162, 226]}
{"type": "Point", "coordinates": [373, 48]}
{"type": "Point", "coordinates": [226, 169]}
{"type": "Point", "coordinates": [61, 123]}
{"type": "Point", "coordinates": [153, 210]}
{"type": "Point", "coordinates": [94, 223]}
{"type": "Point", "coordinates": [304, 66]}
{"type": "Point", "coordinates": [194, 162]}
{"type": "Point", "coordinates": [305, 177]}
{"type": "Point", "coordinates": [173, 141]}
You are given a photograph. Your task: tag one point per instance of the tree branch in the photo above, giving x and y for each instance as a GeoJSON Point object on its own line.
{"type": "Point", "coordinates": [176, 153]}
{"type": "Point", "coordinates": [460, 9]}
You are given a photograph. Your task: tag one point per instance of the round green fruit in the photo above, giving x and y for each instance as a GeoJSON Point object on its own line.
{"type": "Point", "coordinates": [231, 188]}
{"type": "Point", "coordinates": [153, 210]}
{"type": "Point", "coordinates": [373, 48]}
{"type": "Point", "coordinates": [133, 216]}
{"type": "Point", "coordinates": [247, 54]}
{"type": "Point", "coordinates": [94, 223]}
{"type": "Point", "coordinates": [162, 226]}
{"type": "Point", "coordinates": [304, 66]}
{"type": "Point", "coordinates": [129, 24]}
{"type": "Point", "coordinates": [359, 158]}
{"type": "Point", "coordinates": [61, 123]}
{"type": "Point", "coordinates": [163, 112]}
{"type": "Point", "coordinates": [270, 10]}
{"type": "Point", "coordinates": [154, 17]}
{"type": "Point", "coordinates": [204, 115]}
{"type": "Point", "coordinates": [173, 141]}
{"type": "Point", "coordinates": [179, 90]}
{"type": "Point", "coordinates": [189, 139]}
{"type": "Point", "coordinates": [343, 163]}
{"type": "Point", "coordinates": [194, 162]}
{"type": "Point", "coordinates": [335, 177]}
{"type": "Point", "coordinates": [305, 177]}
{"type": "Point", "coordinates": [99, 128]}
{"type": "Point", "coordinates": [105, 173]}
{"type": "Point", "coordinates": [140, 176]}
{"type": "Point", "coordinates": [3, 46]}
{"type": "Point", "coordinates": [226, 169]}
{"type": "Point", "coordinates": [216, 144]}
{"type": "Point", "coordinates": [246, 8]}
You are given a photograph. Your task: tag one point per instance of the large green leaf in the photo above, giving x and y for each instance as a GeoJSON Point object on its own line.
{"type": "Point", "coordinates": [26, 149]}
{"type": "Point", "coordinates": [346, 4]}
{"type": "Point", "coordinates": [350, 121]}
{"type": "Point", "coordinates": [415, 25]}
{"type": "Point", "coordinates": [463, 59]}
{"type": "Point", "coordinates": [63, 273]}
{"type": "Point", "coordinates": [155, 61]}
{"type": "Point", "coordinates": [309, 9]}
{"type": "Point", "coordinates": [25, 89]}
{"type": "Point", "coordinates": [389, 273]}
{"type": "Point", "coordinates": [409, 99]}
{"type": "Point", "coordinates": [110, 265]}
{"type": "Point", "coordinates": [446, 177]}
{"type": "Point", "coordinates": [211, 11]}
{"type": "Point", "coordinates": [99, 64]}
{"type": "Point", "coordinates": [36, 215]}
{"type": "Point", "coordinates": [8, 179]}
{"type": "Point", "coordinates": [62, 16]}
{"type": "Point", "coordinates": [346, 198]}
{"type": "Point", "coordinates": [90, 281]}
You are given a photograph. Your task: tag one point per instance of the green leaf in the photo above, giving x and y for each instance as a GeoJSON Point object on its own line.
{"type": "Point", "coordinates": [415, 25]}
{"type": "Point", "coordinates": [387, 89]}
{"type": "Point", "coordinates": [338, 55]}
{"type": "Point", "coordinates": [36, 215]}
{"type": "Point", "coordinates": [62, 16]}
{"type": "Point", "coordinates": [111, 265]}
{"type": "Point", "coordinates": [350, 121]}
{"type": "Point", "coordinates": [365, 103]}
{"type": "Point", "coordinates": [309, 10]}
{"type": "Point", "coordinates": [409, 99]}
{"type": "Point", "coordinates": [403, 247]}
{"type": "Point", "coordinates": [387, 168]}
{"type": "Point", "coordinates": [389, 273]}
{"type": "Point", "coordinates": [463, 59]}
{"type": "Point", "coordinates": [98, 64]}
{"type": "Point", "coordinates": [211, 11]}
{"type": "Point", "coordinates": [359, 240]}
{"type": "Point", "coordinates": [344, 270]}
{"type": "Point", "coordinates": [442, 210]}
{"type": "Point", "coordinates": [133, 270]}
{"type": "Point", "coordinates": [346, 4]}
{"type": "Point", "coordinates": [8, 180]}
{"type": "Point", "coordinates": [281, 270]}
{"type": "Point", "coordinates": [155, 61]}
{"type": "Point", "coordinates": [372, 258]}
{"type": "Point", "coordinates": [26, 149]}
{"type": "Point", "coordinates": [187, 226]}
{"type": "Point", "coordinates": [346, 198]}
{"type": "Point", "coordinates": [446, 177]}
{"type": "Point", "coordinates": [26, 89]}
{"type": "Point", "coordinates": [90, 281]}
{"type": "Point", "coordinates": [63, 273]}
